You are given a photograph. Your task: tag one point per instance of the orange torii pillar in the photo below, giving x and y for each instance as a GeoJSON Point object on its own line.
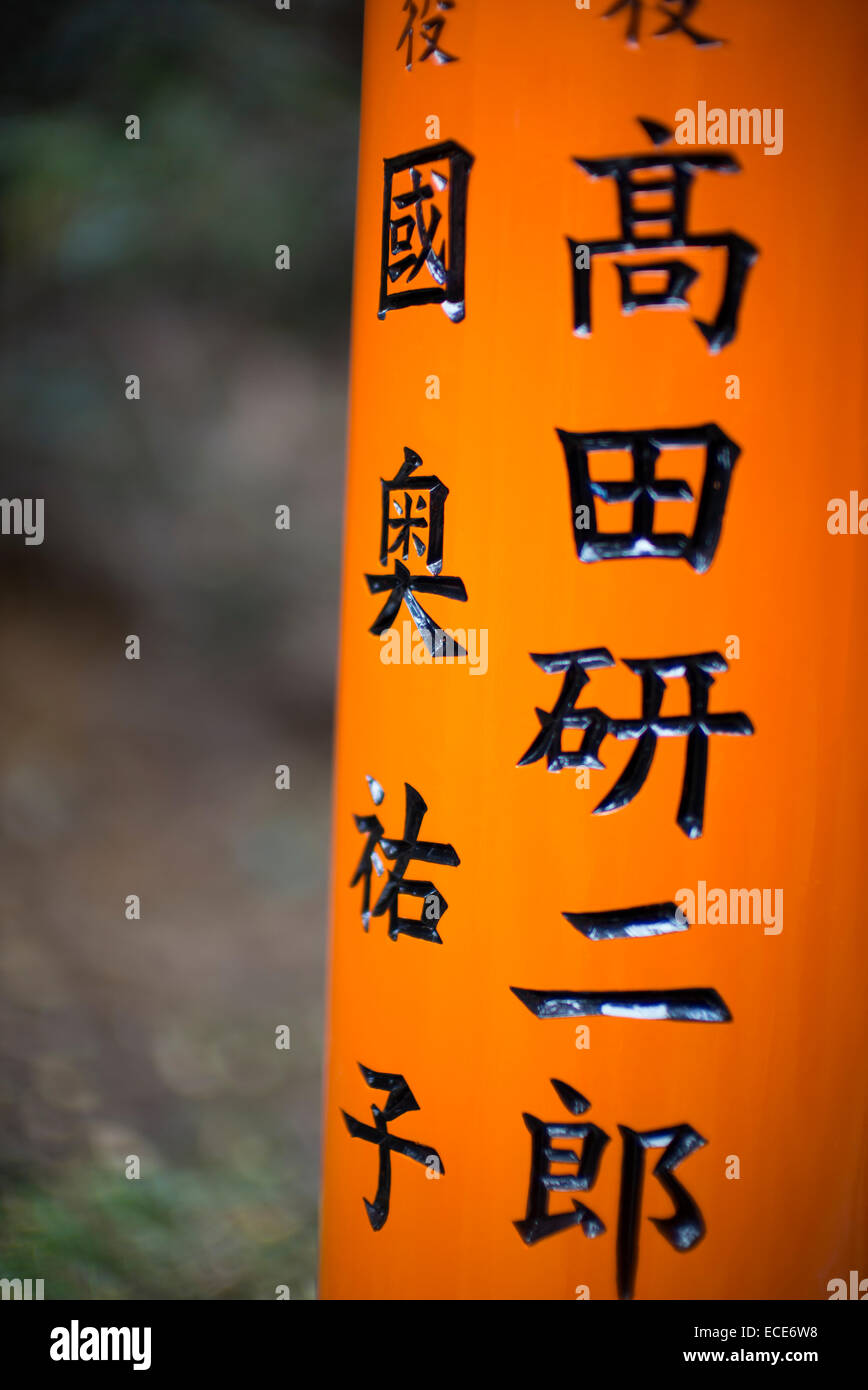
{"type": "Point", "coordinates": [598, 863]}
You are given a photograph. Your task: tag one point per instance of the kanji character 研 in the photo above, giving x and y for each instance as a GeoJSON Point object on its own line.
{"type": "Point", "coordinates": [699, 671]}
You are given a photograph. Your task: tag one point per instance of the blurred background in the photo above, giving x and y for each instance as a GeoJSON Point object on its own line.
{"type": "Point", "coordinates": [155, 777]}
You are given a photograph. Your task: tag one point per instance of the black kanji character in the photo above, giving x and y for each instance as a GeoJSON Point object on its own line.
{"type": "Point", "coordinates": [685, 1227]}
{"type": "Point", "coordinates": [645, 489]}
{"type": "Point", "coordinates": [419, 504]}
{"type": "Point", "coordinates": [677, 13]}
{"type": "Point", "coordinates": [672, 177]}
{"type": "Point", "coordinates": [404, 851]}
{"type": "Point", "coordinates": [401, 1099]}
{"type": "Point", "coordinates": [695, 1005]}
{"type": "Point", "coordinates": [429, 30]}
{"type": "Point", "coordinates": [409, 241]}
{"type": "Point", "coordinates": [418, 521]}
{"type": "Point", "coordinates": [539, 1222]}
{"type": "Point", "coordinates": [696, 726]}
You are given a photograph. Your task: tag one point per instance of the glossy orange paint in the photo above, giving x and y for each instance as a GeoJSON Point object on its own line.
{"type": "Point", "coordinates": [783, 1085]}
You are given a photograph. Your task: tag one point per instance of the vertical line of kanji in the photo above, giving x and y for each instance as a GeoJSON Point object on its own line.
{"type": "Point", "coordinates": [610, 288]}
